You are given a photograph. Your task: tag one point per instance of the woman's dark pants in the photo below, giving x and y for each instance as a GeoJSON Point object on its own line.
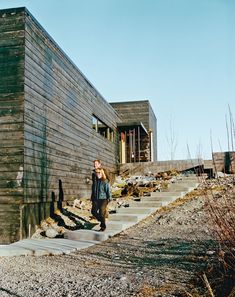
{"type": "Point", "coordinates": [99, 210]}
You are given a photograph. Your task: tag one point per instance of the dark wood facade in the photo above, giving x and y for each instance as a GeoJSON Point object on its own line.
{"type": "Point", "coordinates": [140, 120]}
{"type": "Point", "coordinates": [47, 140]}
{"type": "Point", "coordinates": [224, 161]}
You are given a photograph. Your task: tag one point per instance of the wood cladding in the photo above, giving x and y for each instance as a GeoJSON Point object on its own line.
{"type": "Point", "coordinates": [139, 111]}
{"type": "Point", "coordinates": [46, 135]}
{"type": "Point", "coordinates": [224, 161]}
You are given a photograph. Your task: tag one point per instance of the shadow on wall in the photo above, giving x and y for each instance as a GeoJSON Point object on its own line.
{"type": "Point", "coordinates": [36, 184]}
{"type": "Point", "coordinates": [227, 163]}
{"type": "Point", "coordinates": [59, 202]}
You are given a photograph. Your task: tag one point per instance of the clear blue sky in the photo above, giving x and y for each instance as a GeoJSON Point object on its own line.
{"type": "Point", "coordinates": [178, 54]}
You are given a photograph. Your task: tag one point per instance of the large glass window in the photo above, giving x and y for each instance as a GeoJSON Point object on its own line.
{"type": "Point", "coordinates": [102, 128]}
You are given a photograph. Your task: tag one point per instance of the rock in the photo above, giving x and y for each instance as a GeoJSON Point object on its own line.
{"type": "Point", "coordinates": [51, 233]}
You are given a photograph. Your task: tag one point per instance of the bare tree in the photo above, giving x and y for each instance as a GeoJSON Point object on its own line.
{"type": "Point", "coordinates": [227, 130]}
{"type": "Point", "coordinates": [231, 122]}
{"type": "Point", "coordinates": [172, 141]}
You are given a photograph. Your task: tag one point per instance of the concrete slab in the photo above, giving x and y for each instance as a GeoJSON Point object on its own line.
{"type": "Point", "coordinates": [42, 247]}
{"type": "Point", "coordinates": [168, 194]}
{"type": "Point", "coordinates": [114, 226]}
{"type": "Point", "coordinates": [190, 184]}
{"type": "Point", "coordinates": [126, 217]}
{"type": "Point", "coordinates": [154, 204]}
{"type": "Point", "coordinates": [136, 210]}
{"type": "Point", "coordinates": [180, 188]}
{"type": "Point", "coordinates": [86, 235]}
{"type": "Point", "coordinates": [11, 251]}
{"type": "Point", "coordinates": [73, 244]}
{"type": "Point", "coordinates": [161, 199]}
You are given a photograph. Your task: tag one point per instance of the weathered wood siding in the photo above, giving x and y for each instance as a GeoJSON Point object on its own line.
{"type": "Point", "coordinates": [47, 107]}
{"type": "Point", "coordinates": [224, 161]}
{"type": "Point", "coordinates": [60, 143]}
{"type": "Point", "coordinates": [153, 127]}
{"type": "Point", "coordinates": [11, 121]}
{"type": "Point", "coordinates": [134, 111]}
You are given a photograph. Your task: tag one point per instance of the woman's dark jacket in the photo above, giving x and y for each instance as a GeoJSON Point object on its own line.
{"type": "Point", "coordinates": [100, 188]}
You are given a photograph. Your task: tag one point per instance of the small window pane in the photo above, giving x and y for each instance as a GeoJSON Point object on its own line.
{"type": "Point", "coordinates": [95, 123]}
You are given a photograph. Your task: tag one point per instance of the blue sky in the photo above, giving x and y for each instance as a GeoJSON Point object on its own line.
{"type": "Point", "coordinates": [178, 54]}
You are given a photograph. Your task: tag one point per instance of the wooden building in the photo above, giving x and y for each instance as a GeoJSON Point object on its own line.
{"type": "Point", "coordinates": [224, 162]}
{"type": "Point", "coordinates": [53, 124]}
{"type": "Point", "coordinates": [137, 130]}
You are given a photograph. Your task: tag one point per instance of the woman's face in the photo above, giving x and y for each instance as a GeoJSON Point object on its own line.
{"type": "Point", "coordinates": [99, 173]}
{"type": "Point", "coordinates": [97, 165]}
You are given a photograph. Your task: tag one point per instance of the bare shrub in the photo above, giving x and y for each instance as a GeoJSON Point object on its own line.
{"type": "Point", "coordinates": [221, 209]}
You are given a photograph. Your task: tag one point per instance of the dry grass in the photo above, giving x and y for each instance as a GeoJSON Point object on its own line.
{"type": "Point", "coordinates": [147, 290]}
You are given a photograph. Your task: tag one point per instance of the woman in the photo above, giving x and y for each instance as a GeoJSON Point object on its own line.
{"type": "Point", "coordinates": [100, 196]}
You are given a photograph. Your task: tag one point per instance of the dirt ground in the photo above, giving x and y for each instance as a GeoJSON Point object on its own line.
{"type": "Point", "coordinates": [173, 252]}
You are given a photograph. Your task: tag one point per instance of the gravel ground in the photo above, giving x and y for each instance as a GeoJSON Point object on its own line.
{"type": "Point", "coordinates": [164, 255]}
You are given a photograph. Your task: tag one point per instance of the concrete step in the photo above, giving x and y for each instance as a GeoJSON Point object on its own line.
{"type": "Point", "coordinates": [150, 204]}
{"type": "Point", "coordinates": [186, 184]}
{"type": "Point", "coordinates": [73, 244]}
{"type": "Point", "coordinates": [41, 247]}
{"type": "Point", "coordinates": [168, 194]}
{"type": "Point", "coordinates": [123, 219]}
{"type": "Point", "coordinates": [83, 235]}
{"type": "Point", "coordinates": [55, 246]}
{"type": "Point", "coordinates": [135, 210]}
{"type": "Point", "coordinates": [179, 188]}
{"type": "Point", "coordinates": [114, 226]}
{"type": "Point", "coordinates": [160, 199]}
{"type": "Point", "coordinates": [164, 201]}
{"type": "Point", "coordinates": [191, 178]}
{"type": "Point", "coordinates": [11, 251]}
{"type": "Point", "coordinates": [126, 217]}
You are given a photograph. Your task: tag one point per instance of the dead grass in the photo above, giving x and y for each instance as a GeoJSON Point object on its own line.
{"type": "Point", "coordinates": [147, 290]}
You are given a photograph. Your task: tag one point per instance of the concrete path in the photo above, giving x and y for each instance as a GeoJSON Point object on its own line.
{"type": "Point", "coordinates": [116, 223]}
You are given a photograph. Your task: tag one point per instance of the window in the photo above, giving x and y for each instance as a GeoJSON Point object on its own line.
{"type": "Point", "coordinates": [95, 123]}
{"type": "Point", "coordinates": [102, 128]}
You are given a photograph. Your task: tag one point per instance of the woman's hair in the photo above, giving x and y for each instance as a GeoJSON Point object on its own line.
{"type": "Point", "coordinates": [103, 175]}
{"type": "Point", "coordinates": [97, 160]}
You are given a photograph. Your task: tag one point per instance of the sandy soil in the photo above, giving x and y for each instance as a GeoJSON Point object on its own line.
{"type": "Point", "coordinates": [164, 255]}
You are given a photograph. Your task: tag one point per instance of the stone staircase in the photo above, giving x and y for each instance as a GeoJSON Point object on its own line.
{"type": "Point", "coordinates": [116, 223]}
